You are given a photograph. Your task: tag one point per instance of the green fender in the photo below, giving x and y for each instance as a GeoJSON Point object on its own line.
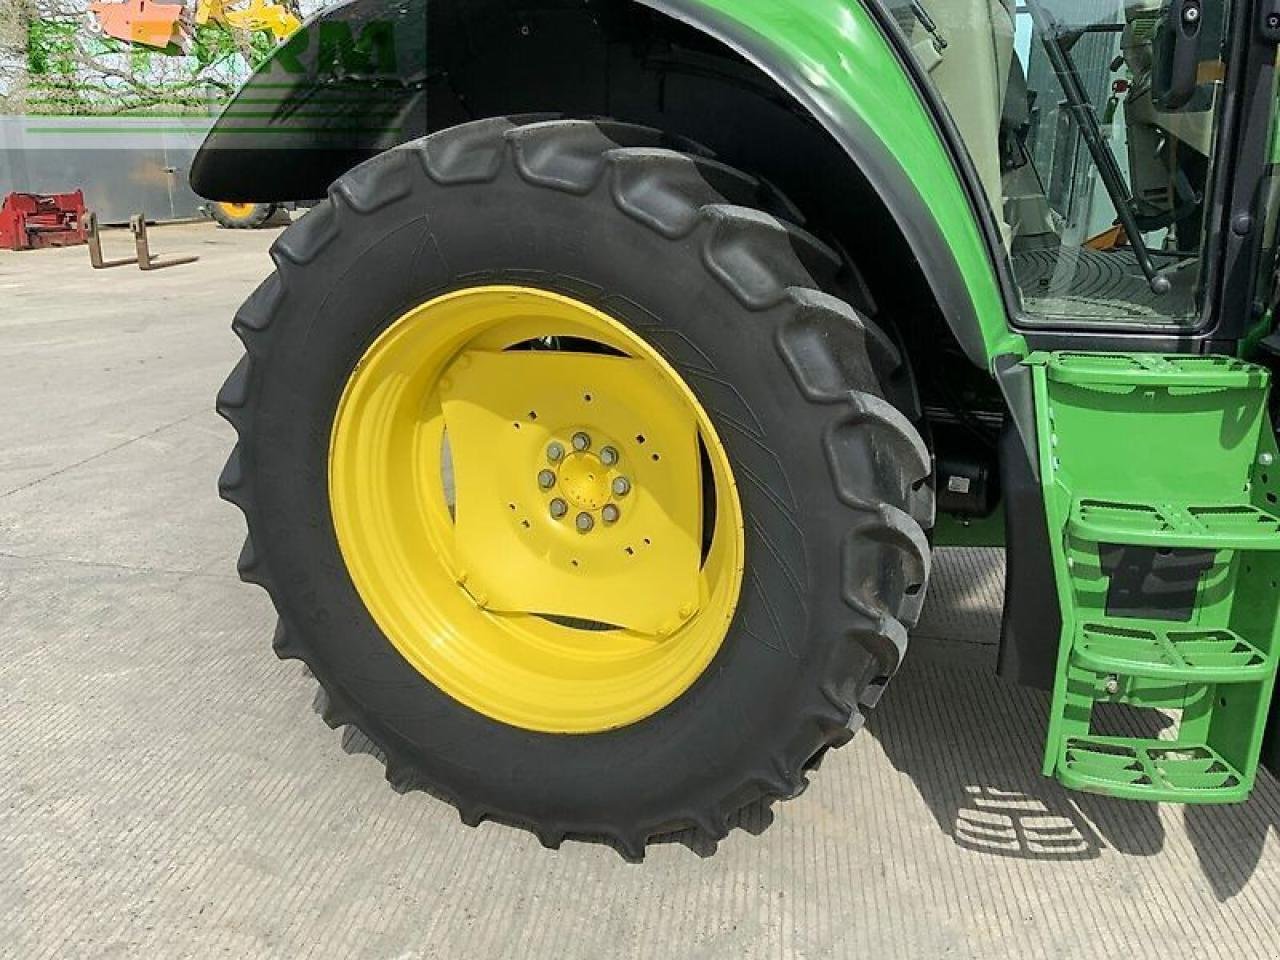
{"type": "Point", "coordinates": [836, 58]}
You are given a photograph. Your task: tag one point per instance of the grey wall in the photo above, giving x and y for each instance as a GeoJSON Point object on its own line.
{"type": "Point", "coordinates": [124, 165]}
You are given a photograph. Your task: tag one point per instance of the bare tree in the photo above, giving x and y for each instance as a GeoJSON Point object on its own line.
{"type": "Point", "coordinates": [70, 69]}
{"type": "Point", "coordinates": [14, 18]}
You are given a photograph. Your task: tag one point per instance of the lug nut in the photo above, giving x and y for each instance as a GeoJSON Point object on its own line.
{"type": "Point", "coordinates": [584, 523]}
{"type": "Point", "coordinates": [621, 486]}
{"type": "Point", "coordinates": [581, 441]}
{"type": "Point", "coordinates": [1113, 685]}
{"type": "Point", "coordinates": [1266, 459]}
{"type": "Point", "coordinates": [555, 452]}
{"type": "Point", "coordinates": [608, 456]}
{"type": "Point", "coordinates": [558, 508]}
{"type": "Point", "coordinates": [610, 513]}
{"type": "Point", "coordinates": [546, 479]}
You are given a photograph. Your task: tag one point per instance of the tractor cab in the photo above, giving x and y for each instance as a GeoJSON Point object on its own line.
{"type": "Point", "coordinates": [1096, 130]}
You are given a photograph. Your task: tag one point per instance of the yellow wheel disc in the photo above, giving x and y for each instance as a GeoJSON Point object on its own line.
{"type": "Point", "coordinates": [237, 210]}
{"type": "Point", "coordinates": [536, 510]}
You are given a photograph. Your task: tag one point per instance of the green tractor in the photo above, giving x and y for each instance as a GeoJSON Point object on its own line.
{"type": "Point", "coordinates": [596, 431]}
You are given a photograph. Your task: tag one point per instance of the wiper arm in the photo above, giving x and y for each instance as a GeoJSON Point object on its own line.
{"type": "Point", "coordinates": [1086, 121]}
{"type": "Point", "coordinates": [931, 28]}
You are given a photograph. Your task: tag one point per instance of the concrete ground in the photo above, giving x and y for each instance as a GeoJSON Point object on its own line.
{"type": "Point", "coordinates": [166, 789]}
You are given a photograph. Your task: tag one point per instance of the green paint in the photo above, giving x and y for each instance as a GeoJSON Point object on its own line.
{"type": "Point", "coordinates": [339, 49]}
{"type": "Point", "coordinates": [840, 48]}
{"type": "Point", "coordinates": [1165, 452]}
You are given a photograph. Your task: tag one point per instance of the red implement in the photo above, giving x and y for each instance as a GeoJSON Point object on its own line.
{"type": "Point", "coordinates": [30, 220]}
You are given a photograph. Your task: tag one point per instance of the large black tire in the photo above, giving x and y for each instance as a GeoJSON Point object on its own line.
{"type": "Point", "coordinates": [834, 480]}
{"type": "Point", "coordinates": [239, 216]}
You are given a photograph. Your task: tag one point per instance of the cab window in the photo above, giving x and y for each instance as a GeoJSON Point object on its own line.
{"type": "Point", "coordinates": [1091, 125]}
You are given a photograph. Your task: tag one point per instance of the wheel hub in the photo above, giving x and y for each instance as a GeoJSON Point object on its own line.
{"type": "Point", "coordinates": [592, 528]}
{"type": "Point", "coordinates": [585, 481]}
{"type": "Point", "coordinates": [590, 483]}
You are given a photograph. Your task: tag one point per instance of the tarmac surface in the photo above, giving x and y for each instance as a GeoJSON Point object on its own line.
{"type": "Point", "coordinates": [167, 789]}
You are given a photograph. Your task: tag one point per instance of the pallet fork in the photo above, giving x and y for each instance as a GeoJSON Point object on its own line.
{"type": "Point", "coordinates": [143, 257]}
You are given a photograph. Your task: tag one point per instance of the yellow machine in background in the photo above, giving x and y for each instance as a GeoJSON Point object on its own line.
{"type": "Point", "coordinates": [256, 15]}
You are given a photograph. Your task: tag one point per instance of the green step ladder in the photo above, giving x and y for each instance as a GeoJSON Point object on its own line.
{"type": "Point", "coordinates": [1162, 494]}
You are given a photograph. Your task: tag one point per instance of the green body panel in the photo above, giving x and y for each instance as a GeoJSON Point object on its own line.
{"type": "Point", "coordinates": [840, 49]}
{"type": "Point", "coordinates": [1163, 453]}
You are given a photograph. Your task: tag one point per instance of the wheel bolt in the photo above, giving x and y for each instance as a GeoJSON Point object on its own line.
{"type": "Point", "coordinates": [608, 456]}
{"type": "Point", "coordinates": [555, 452]}
{"type": "Point", "coordinates": [621, 486]}
{"type": "Point", "coordinates": [558, 508]}
{"type": "Point", "coordinates": [610, 513]}
{"type": "Point", "coordinates": [581, 441]}
{"type": "Point", "coordinates": [584, 522]}
{"type": "Point", "coordinates": [546, 479]}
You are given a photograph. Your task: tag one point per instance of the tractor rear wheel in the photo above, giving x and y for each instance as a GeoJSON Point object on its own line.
{"type": "Point", "coordinates": [568, 464]}
{"type": "Point", "coordinates": [241, 216]}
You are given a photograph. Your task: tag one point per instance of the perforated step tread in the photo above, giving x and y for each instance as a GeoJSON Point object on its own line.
{"type": "Point", "coordinates": [1154, 770]}
{"type": "Point", "coordinates": [1221, 526]}
{"type": "Point", "coordinates": [1165, 651]}
{"type": "Point", "coordinates": [1150, 369]}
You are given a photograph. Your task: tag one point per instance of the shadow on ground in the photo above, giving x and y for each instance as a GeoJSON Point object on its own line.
{"type": "Point", "coordinates": [972, 746]}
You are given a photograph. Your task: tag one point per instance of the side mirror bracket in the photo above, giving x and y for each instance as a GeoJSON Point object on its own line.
{"type": "Point", "coordinates": [1176, 54]}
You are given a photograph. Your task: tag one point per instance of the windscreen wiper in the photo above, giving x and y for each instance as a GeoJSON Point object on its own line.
{"type": "Point", "coordinates": [930, 27]}
{"type": "Point", "coordinates": [1086, 121]}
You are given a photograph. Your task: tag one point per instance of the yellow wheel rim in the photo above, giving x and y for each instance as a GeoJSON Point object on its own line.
{"type": "Point", "coordinates": [236, 210]}
{"type": "Point", "coordinates": [536, 509]}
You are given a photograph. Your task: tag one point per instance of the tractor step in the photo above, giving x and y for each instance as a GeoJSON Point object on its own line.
{"type": "Point", "coordinates": [1163, 503]}
{"type": "Point", "coordinates": [1164, 651]}
{"type": "Point", "coordinates": [1222, 526]}
{"type": "Point", "coordinates": [1150, 770]}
